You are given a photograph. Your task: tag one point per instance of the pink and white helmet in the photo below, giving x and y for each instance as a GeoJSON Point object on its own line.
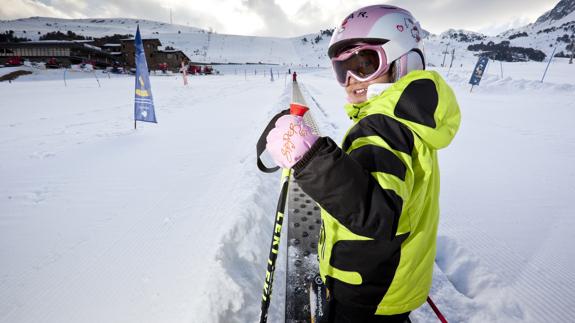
{"type": "Point", "coordinates": [399, 34]}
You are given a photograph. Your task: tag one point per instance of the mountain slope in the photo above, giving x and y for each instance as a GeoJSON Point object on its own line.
{"type": "Point", "coordinates": [555, 28]}
{"type": "Point", "coordinates": [562, 9]}
{"type": "Point", "coordinates": [200, 45]}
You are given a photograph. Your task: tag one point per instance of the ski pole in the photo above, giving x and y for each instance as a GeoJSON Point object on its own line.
{"type": "Point", "coordinates": [295, 109]}
{"type": "Point", "coordinates": [436, 310]}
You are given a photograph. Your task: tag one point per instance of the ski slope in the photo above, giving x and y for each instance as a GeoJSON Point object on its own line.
{"type": "Point", "coordinates": [198, 44]}
{"type": "Point", "coordinates": [171, 222]}
{"type": "Point", "coordinates": [306, 50]}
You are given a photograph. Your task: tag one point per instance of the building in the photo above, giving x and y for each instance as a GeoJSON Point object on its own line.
{"type": "Point", "coordinates": [154, 55]}
{"type": "Point", "coordinates": [63, 51]}
{"type": "Point", "coordinates": [173, 58]}
{"type": "Point", "coordinates": [66, 52]}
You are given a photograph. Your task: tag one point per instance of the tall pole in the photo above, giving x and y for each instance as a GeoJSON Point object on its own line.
{"type": "Point", "coordinates": [572, 48]}
{"type": "Point", "coordinates": [445, 54]}
{"type": "Point", "coordinates": [548, 63]}
{"type": "Point", "coordinates": [96, 76]}
{"type": "Point", "coordinates": [452, 58]}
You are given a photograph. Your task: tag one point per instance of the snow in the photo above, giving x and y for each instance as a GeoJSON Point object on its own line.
{"type": "Point", "coordinates": [172, 222]}
{"type": "Point", "coordinates": [199, 45]}
{"type": "Point", "coordinates": [209, 47]}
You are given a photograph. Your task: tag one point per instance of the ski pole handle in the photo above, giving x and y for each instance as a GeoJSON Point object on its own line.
{"type": "Point", "coordinates": [294, 109]}
{"type": "Point", "coordinates": [298, 109]}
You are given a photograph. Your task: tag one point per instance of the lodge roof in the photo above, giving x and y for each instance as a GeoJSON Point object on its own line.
{"type": "Point", "coordinates": [146, 40]}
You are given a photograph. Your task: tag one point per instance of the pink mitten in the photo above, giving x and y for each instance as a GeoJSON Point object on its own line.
{"type": "Point", "coordinates": [289, 140]}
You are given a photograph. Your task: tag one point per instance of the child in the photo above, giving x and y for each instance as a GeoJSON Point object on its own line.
{"type": "Point", "coordinates": [379, 192]}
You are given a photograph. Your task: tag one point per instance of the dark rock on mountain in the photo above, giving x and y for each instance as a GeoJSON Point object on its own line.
{"type": "Point", "coordinates": [504, 52]}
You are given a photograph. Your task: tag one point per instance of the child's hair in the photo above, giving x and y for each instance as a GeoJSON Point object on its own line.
{"type": "Point", "coordinates": [407, 63]}
{"type": "Point", "coordinates": [393, 73]}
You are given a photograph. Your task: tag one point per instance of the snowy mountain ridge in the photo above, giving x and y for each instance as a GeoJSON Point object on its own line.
{"type": "Point", "coordinates": [555, 28]}
{"type": "Point", "coordinates": [199, 45]}
{"type": "Point", "coordinates": [462, 35]}
{"type": "Point", "coordinates": [94, 27]}
{"type": "Point", "coordinates": [562, 9]}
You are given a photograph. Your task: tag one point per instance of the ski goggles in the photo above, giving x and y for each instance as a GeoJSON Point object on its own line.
{"type": "Point", "coordinates": [364, 62]}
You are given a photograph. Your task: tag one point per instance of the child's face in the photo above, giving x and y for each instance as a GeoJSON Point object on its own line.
{"type": "Point", "coordinates": [357, 91]}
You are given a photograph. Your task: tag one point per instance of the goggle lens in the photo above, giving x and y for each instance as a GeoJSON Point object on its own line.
{"type": "Point", "coordinates": [362, 63]}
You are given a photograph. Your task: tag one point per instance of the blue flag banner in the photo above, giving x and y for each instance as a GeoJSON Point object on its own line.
{"type": "Point", "coordinates": [478, 70]}
{"type": "Point", "coordinates": [143, 103]}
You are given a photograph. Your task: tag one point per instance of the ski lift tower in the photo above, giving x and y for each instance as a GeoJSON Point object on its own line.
{"type": "Point", "coordinates": [445, 52]}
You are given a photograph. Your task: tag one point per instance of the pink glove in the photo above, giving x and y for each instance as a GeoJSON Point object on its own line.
{"type": "Point", "coordinates": [289, 140]}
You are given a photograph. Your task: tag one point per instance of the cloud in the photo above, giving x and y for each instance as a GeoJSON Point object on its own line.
{"type": "Point", "coordinates": [275, 21]}
{"type": "Point", "coordinates": [494, 29]}
{"type": "Point", "coordinates": [439, 15]}
{"type": "Point", "coordinates": [13, 9]}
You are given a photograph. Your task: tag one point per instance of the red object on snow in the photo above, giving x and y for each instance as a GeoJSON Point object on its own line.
{"type": "Point", "coordinates": [52, 62]}
{"type": "Point", "coordinates": [294, 77]}
{"type": "Point", "coordinates": [208, 69]}
{"type": "Point", "coordinates": [163, 67]}
{"type": "Point", "coordinates": [194, 69]}
{"type": "Point", "coordinates": [14, 61]}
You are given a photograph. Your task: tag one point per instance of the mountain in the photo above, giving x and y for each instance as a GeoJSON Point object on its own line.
{"type": "Point", "coordinates": [460, 35]}
{"type": "Point", "coordinates": [535, 41]}
{"type": "Point", "coordinates": [561, 10]}
{"type": "Point", "coordinates": [33, 27]}
{"type": "Point", "coordinates": [199, 45]}
{"type": "Point", "coordinates": [555, 28]}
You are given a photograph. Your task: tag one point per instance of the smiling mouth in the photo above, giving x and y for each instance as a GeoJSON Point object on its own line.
{"type": "Point", "coordinates": [360, 91]}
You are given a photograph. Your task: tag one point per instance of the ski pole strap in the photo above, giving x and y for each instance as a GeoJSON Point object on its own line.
{"type": "Point", "coordinates": [261, 145]}
{"type": "Point", "coordinates": [436, 310]}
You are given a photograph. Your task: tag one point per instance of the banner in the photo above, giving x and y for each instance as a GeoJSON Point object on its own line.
{"type": "Point", "coordinates": [478, 70]}
{"type": "Point", "coordinates": [143, 102]}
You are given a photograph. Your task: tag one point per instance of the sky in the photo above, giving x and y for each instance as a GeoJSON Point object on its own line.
{"type": "Point", "coordinates": [286, 18]}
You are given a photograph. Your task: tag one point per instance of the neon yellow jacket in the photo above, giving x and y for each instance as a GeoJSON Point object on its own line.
{"type": "Point", "coordinates": [379, 194]}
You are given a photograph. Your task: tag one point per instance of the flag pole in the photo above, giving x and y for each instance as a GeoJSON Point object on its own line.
{"type": "Point", "coordinates": [548, 63]}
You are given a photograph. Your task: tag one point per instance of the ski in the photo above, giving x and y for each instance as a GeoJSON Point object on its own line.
{"type": "Point", "coordinates": [319, 299]}
{"type": "Point", "coordinates": [304, 223]}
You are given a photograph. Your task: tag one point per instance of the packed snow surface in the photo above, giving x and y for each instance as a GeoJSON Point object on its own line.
{"type": "Point", "coordinates": [172, 222]}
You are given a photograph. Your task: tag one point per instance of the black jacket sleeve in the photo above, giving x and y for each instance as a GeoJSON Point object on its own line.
{"type": "Point", "coordinates": [347, 191]}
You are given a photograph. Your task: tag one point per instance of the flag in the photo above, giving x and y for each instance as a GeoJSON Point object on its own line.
{"type": "Point", "coordinates": [143, 101]}
{"type": "Point", "coordinates": [478, 70]}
